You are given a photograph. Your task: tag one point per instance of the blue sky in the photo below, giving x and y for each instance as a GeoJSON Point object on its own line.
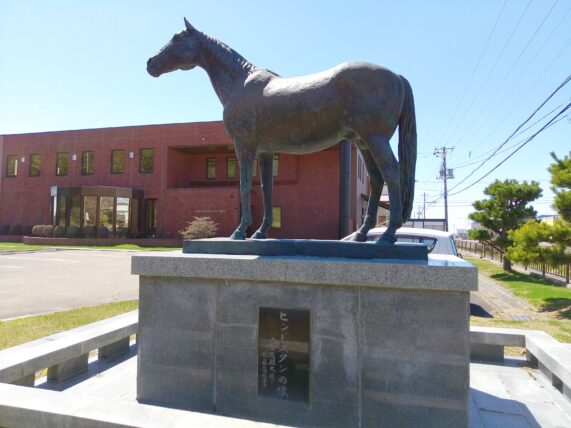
{"type": "Point", "coordinates": [74, 65]}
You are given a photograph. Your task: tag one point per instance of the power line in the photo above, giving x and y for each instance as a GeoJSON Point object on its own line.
{"type": "Point", "coordinates": [565, 81]}
{"type": "Point", "coordinates": [528, 90]}
{"type": "Point", "coordinates": [473, 73]}
{"type": "Point", "coordinates": [547, 125]}
{"type": "Point", "coordinates": [515, 82]}
{"type": "Point", "coordinates": [513, 145]}
{"type": "Point", "coordinates": [500, 85]}
{"type": "Point", "coordinates": [491, 70]}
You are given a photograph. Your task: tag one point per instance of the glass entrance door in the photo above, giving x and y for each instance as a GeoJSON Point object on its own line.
{"type": "Point", "coordinates": [150, 217]}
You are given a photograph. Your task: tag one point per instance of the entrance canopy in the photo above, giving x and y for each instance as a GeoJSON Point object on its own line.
{"type": "Point", "coordinates": [100, 211]}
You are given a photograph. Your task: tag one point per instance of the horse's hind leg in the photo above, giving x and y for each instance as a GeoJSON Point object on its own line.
{"type": "Point", "coordinates": [377, 183]}
{"type": "Point", "coordinates": [381, 152]}
{"type": "Point", "coordinates": [266, 162]}
{"type": "Point", "coordinates": [246, 162]}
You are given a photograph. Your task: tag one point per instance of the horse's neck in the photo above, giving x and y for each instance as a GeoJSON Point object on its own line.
{"type": "Point", "coordinates": [226, 68]}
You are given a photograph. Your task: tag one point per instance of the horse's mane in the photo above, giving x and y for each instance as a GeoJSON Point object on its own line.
{"type": "Point", "coordinates": [227, 56]}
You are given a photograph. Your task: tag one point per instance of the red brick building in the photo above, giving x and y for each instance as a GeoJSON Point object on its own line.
{"type": "Point", "coordinates": [154, 179]}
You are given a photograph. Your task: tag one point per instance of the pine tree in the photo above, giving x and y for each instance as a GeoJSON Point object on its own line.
{"type": "Point", "coordinates": [561, 181]}
{"type": "Point", "coordinates": [541, 242]}
{"type": "Point", "coordinates": [505, 210]}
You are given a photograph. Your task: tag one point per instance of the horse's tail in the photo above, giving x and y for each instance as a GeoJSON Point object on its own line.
{"type": "Point", "coordinates": [407, 151]}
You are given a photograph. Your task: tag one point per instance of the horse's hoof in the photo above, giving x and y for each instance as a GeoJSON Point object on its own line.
{"type": "Point", "coordinates": [387, 240]}
{"type": "Point", "coordinates": [238, 236]}
{"type": "Point", "coordinates": [259, 235]}
{"type": "Point", "coordinates": [359, 237]}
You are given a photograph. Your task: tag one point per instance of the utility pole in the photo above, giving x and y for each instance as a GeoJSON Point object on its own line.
{"type": "Point", "coordinates": [445, 174]}
{"type": "Point", "coordinates": [424, 205]}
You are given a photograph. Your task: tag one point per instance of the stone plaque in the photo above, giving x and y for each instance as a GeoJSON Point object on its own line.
{"type": "Point", "coordinates": [283, 354]}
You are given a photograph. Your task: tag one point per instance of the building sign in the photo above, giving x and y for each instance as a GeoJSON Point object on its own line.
{"type": "Point", "coordinates": [210, 211]}
{"type": "Point", "coordinates": [283, 354]}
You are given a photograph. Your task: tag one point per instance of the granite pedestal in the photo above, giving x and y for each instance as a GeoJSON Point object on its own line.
{"type": "Point", "coordinates": [388, 340]}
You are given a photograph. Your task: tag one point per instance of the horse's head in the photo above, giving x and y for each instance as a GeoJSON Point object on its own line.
{"type": "Point", "coordinates": [180, 53]}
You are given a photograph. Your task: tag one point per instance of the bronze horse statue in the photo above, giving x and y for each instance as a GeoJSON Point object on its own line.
{"type": "Point", "coordinates": [265, 113]}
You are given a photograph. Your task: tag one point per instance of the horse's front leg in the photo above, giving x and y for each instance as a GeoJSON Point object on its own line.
{"type": "Point", "coordinates": [266, 162]}
{"type": "Point", "coordinates": [245, 157]}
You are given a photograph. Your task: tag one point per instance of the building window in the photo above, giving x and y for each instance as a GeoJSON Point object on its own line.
{"type": "Point", "coordinates": [35, 165]}
{"type": "Point", "coordinates": [11, 166]}
{"type": "Point", "coordinates": [89, 210]}
{"type": "Point", "coordinates": [87, 161]}
{"type": "Point", "coordinates": [276, 168]}
{"type": "Point", "coordinates": [211, 168]}
{"type": "Point", "coordinates": [146, 162]}
{"type": "Point", "coordinates": [150, 217]}
{"type": "Point", "coordinates": [60, 211]}
{"type": "Point", "coordinates": [75, 211]}
{"type": "Point", "coordinates": [276, 217]}
{"type": "Point", "coordinates": [117, 161]}
{"type": "Point", "coordinates": [231, 168]}
{"type": "Point", "coordinates": [122, 216]}
{"type": "Point", "coordinates": [106, 208]}
{"type": "Point", "coordinates": [61, 164]}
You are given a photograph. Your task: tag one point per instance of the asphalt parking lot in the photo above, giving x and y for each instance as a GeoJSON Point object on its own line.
{"type": "Point", "coordinates": [55, 280]}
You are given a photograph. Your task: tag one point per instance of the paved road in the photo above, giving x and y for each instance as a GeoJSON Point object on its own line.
{"type": "Point", "coordinates": [55, 280]}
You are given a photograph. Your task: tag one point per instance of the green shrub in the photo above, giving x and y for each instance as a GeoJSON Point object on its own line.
{"type": "Point", "coordinates": [72, 232]}
{"type": "Point", "coordinates": [121, 232]}
{"type": "Point", "coordinates": [59, 232]}
{"type": "Point", "coordinates": [103, 232]}
{"type": "Point", "coordinates": [199, 228]}
{"type": "Point", "coordinates": [89, 231]}
{"type": "Point", "coordinates": [43, 230]}
{"type": "Point", "coordinates": [48, 231]}
{"type": "Point", "coordinates": [15, 229]}
{"type": "Point", "coordinates": [134, 233]}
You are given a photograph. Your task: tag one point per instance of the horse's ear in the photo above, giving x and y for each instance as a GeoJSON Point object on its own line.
{"type": "Point", "coordinates": [189, 27]}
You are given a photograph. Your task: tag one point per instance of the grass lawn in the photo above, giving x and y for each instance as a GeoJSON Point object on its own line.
{"type": "Point", "coordinates": [23, 330]}
{"type": "Point", "coordinates": [15, 246]}
{"type": "Point", "coordinates": [559, 329]}
{"type": "Point", "coordinates": [548, 298]}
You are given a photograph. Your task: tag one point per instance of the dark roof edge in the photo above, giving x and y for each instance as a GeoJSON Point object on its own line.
{"type": "Point", "coordinates": [109, 127]}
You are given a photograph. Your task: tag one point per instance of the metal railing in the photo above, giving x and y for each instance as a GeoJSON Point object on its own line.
{"type": "Point", "coordinates": [483, 250]}
{"type": "Point", "coordinates": [560, 271]}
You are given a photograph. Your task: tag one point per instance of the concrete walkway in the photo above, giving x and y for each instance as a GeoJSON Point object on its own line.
{"type": "Point", "coordinates": [513, 395]}
{"type": "Point", "coordinates": [500, 302]}
{"type": "Point", "coordinates": [501, 396]}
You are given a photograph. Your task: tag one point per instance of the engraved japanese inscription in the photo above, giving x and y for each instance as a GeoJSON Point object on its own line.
{"type": "Point", "coordinates": [283, 354]}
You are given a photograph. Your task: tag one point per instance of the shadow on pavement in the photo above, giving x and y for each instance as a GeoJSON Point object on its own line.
{"type": "Point", "coordinates": [478, 311]}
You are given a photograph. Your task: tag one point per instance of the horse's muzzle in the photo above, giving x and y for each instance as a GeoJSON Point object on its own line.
{"type": "Point", "coordinates": [151, 70]}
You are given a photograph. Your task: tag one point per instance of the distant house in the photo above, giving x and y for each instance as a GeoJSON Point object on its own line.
{"type": "Point", "coordinates": [548, 218]}
{"type": "Point", "coordinates": [427, 223]}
